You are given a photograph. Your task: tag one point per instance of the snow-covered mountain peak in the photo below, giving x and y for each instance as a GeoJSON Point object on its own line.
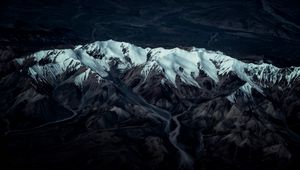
{"type": "Point", "coordinates": [98, 58]}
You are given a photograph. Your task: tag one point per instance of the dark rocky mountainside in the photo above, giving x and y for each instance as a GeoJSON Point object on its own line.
{"type": "Point", "coordinates": [60, 113]}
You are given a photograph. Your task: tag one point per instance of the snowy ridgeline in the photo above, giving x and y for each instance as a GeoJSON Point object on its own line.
{"type": "Point", "coordinates": [96, 58]}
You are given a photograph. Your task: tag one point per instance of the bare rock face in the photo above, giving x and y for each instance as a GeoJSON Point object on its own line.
{"type": "Point", "coordinates": [114, 105]}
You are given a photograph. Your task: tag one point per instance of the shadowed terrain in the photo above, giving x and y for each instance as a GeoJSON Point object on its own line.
{"type": "Point", "coordinates": [247, 29]}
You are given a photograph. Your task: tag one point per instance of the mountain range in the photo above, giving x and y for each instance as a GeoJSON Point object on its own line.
{"type": "Point", "coordinates": [128, 107]}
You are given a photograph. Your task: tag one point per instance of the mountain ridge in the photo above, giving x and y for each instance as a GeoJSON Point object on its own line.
{"type": "Point", "coordinates": [96, 57]}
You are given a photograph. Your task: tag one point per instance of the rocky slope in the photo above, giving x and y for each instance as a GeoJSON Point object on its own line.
{"type": "Point", "coordinates": [114, 105]}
